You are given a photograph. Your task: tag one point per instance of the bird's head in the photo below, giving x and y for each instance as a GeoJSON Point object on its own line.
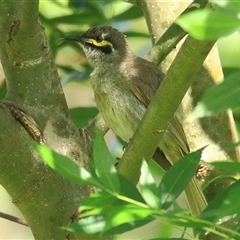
{"type": "Point", "coordinates": [103, 44]}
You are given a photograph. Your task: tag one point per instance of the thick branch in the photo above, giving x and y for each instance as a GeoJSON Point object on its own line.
{"type": "Point", "coordinates": [29, 16]}
{"type": "Point", "coordinates": [25, 52]}
{"type": "Point", "coordinates": [168, 97]}
{"type": "Point", "coordinates": [35, 101]}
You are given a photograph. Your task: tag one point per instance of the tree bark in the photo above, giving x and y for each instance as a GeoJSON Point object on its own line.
{"type": "Point", "coordinates": [35, 109]}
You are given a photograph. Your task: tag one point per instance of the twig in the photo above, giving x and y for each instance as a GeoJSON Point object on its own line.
{"type": "Point", "coordinates": [173, 35]}
{"type": "Point", "coordinates": [13, 219]}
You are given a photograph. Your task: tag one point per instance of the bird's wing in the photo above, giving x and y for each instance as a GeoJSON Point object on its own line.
{"type": "Point", "coordinates": [145, 81]}
{"type": "Point", "coordinates": [174, 143]}
{"type": "Point", "coordinates": [144, 84]}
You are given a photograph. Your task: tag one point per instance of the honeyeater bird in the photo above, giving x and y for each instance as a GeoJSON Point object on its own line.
{"type": "Point", "coordinates": [123, 86]}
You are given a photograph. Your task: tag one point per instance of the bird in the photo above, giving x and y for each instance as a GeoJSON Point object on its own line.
{"type": "Point", "coordinates": [124, 85]}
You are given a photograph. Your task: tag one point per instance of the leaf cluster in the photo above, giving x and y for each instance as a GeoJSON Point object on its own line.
{"type": "Point", "coordinates": [119, 206]}
{"type": "Point", "coordinates": [210, 24]}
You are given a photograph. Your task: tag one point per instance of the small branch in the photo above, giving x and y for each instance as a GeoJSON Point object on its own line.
{"type": "Point", "coordinates": [29, 16]}
{"type": "Point", "coordinates": [173, 35]}
{"type": "Point", "coordinates": [13, 219]}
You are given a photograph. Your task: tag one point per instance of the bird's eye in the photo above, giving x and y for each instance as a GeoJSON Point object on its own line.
{"type": "Point", "coordinates": [99, 38]}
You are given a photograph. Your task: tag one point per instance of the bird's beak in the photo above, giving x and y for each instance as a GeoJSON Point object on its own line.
{"type": "Point", "coordinates": [80, 39]}
{"type": "Point", "coordinates": [74, 39]}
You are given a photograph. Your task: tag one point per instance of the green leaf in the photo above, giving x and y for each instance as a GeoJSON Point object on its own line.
{"type": "Point", "coordinates": [148, 187]}
{"type": "Point", "coordinates": [65, 167]}
{"type": "Point", "coordinates": [209, 25]}
{"type": "Point", "coordinates": [126, 213]}
{"type": "Point", "coordinates": [129, 190]}
{"type": "Point", "coordinates": [177, 178]}
{"type": "Point", "coordinates": [132, 13]}
{"type": "Point", "coordinates": [88, 225]}
{"type": "Point", "coordinates": [233, 167]}
{"type": "Point", "coordinates": [78, 18]}
{"type": "Point", "coordinates": [156, 171]}
{"type": "Point", "coordinates": [168, 239]}
{"type": "Point", "coordinates": [82, 116]}
{"type": "Point", "coordinates": [185, 220]}
{"type": "Point", "coordinates": [225, 204]}
{"type": "Point", "coordinates": [128, 226]}
{"type": "Point", "coordinates": [227, 5]}
{"type": "Point", "coordinates": [219, 98]}
{"type": "Point", "coordinates": [136, 34]}
{"type": "Point", "coordinates": [95, 226]}
{"type": "Point", "coordinates": [110, 214]}
{"type": "Point", "coordinates": [104, 164]}
{"type": "Point", "coordinates": [98, 200]}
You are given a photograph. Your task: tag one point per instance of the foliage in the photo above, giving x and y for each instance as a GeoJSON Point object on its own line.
{"type": "Point", "coordinates": [118, 206]}
{"type": "Point", "coordinates": [220, 98]}
{"type": "Point", "coordinates": [208, 24]}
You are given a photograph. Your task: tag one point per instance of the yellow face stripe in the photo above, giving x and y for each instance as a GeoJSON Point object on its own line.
{"type": "Point", "coordinates": [103, 43]}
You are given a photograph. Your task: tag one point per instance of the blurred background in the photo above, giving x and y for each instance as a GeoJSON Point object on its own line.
{"type": "Point", "coordinates": [67, 18]}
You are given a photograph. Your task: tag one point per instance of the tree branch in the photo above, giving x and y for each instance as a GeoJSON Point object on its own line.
{"type": "Point", "coordinates": [169, 96]}
{"type": "Point", "coordinates": [35, 100]}
{"type": "Point", "coordinates": [13, 219]}
{"type": "Point", "coordinates": [171, 37]}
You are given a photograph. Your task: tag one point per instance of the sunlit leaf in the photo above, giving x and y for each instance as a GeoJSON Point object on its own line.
{"type": "Point", "coordinates": [225, 207]}
{"type": "Point", "coordinates": [127, 219]}
{"type": "Point", "coordinates": [95, 225]}
{"type": "Point", "coordinates": [224, 204]}
{"type": "Point", "coordinates": [65, 167]}
{"type": "Point", "coordinates": [148, 187]}
{"type": "Point", "coordinates": [177, 178]}
{"type": "Point", "coordinates": [104, 164]}
{"type": "Point", "coordinates": [227, 5]}
{"type": "Point", "coordinates": [129, 190]}
{"type": "Point", "coordinates": [168, 239]}
{"type": "Point", "coordinates": [126, 213]}
{"type": "Point", "coordinates": [219, 98]}
{"type": "Point", "coordinates": [233, 167]}
{"type": "Point", "coordinates": [209, 25]}
{"type": "Point", "coordinates": [88, 225]}
{"type": "Point", "coordinates": [77, 18]}
{"type": "Point", "coordinates": [97, 200]}
{"type": "Point", "coordinates": [132, 13]}
{"type": "Point", "coordinates": [136, 34]}
{"type": "Point", "coordinates": [128, 226]}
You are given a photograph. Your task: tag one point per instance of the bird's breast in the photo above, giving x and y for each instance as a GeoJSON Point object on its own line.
{"type": "Point", "coordinates": [119, 107]}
